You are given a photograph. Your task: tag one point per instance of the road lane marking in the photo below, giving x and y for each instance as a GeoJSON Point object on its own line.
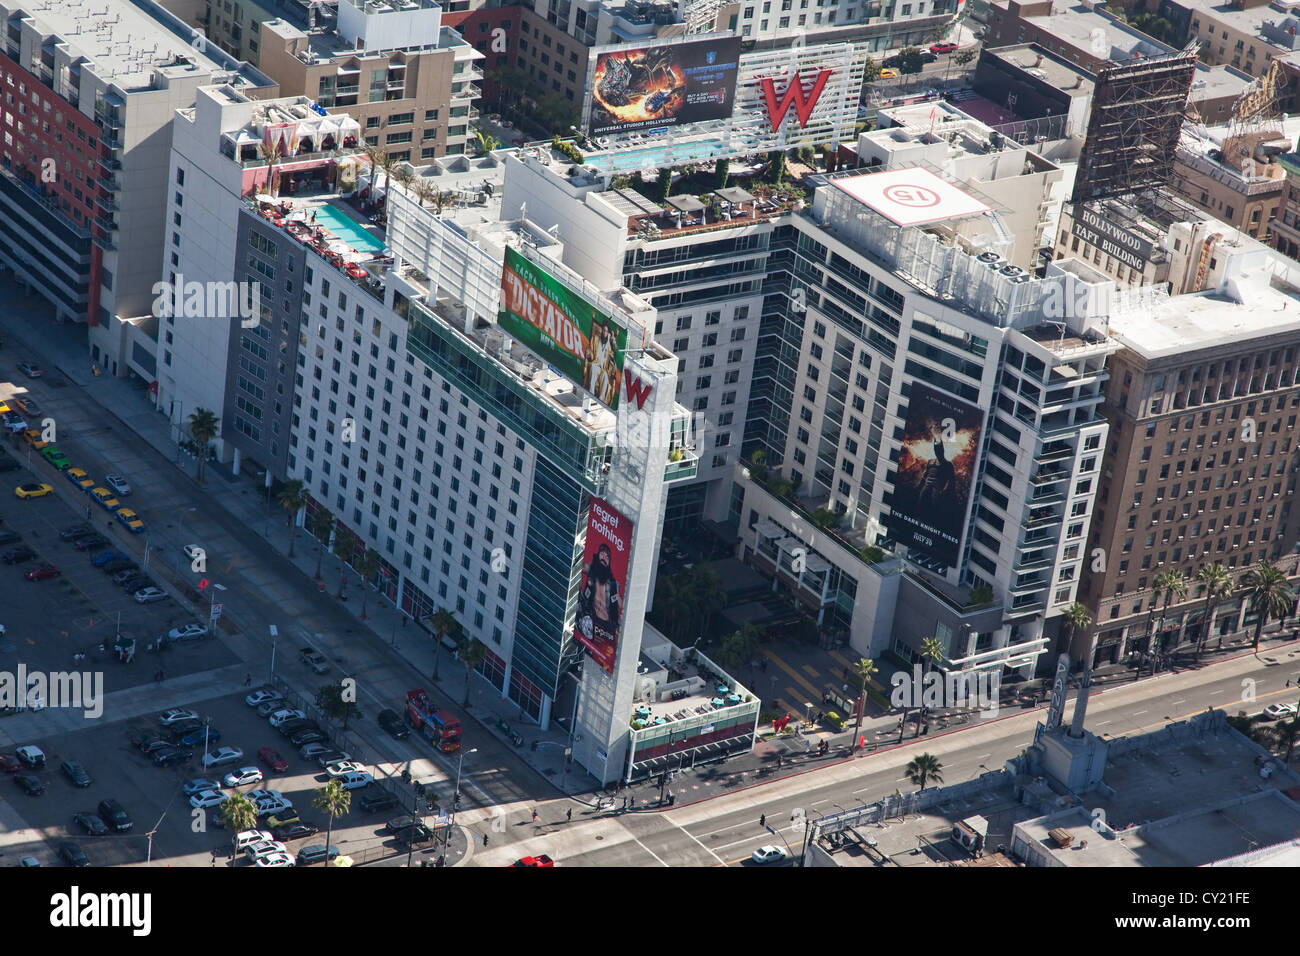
{"type": "Point", "coordinates": [695, 838]}
{"type": "Point", "coordinates": [650, 851]}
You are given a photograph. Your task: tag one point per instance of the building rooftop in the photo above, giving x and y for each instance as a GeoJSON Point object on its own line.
{"type": "Point", "coordinates": [1076, 24]}
{"type": "Point", "coordinates": [1046, 66]}
{"type": "Point", "coordinates": [324, 42]}
{"type": "Point", "coordinates": [1250, 20]}
{"type": "Point", "coordinates": [1259, 301]}
{"type": "Point", "coordinates": [127, 42]}
{"type": "Point", "coordinates": [1202, 148]}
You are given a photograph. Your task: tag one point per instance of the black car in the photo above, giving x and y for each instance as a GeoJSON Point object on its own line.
{"type": "Point", "coordinates": [152, 743]}
{"type": "Point", "coordinates": [89, 541]}
{"type": "Point", "coordinates": [30, 785]}
{"type": "Point", "coordinates": [177, 731]}
{"type": "Point", "coordinates": [118, 565]}
{"type": "Point", "coordinates": [928, 57]}
{"type": "Point", "coordinates": [111, 812]}
{"type": "Point", "coordinates": [308, 735]}
{"type": "Point", "coordinates": [9, 537]}
{"type": "Point", "coordinates": [295, 831]}
{"type": "Point", "coordinates": [73, 855]}
{"type": "Point", "coordinates": [391, 722]}
{"type": "Point", "coordinates": [291, 727]}
{"type": "Point", "coordinates": [18, 555]}
{"type": "Point", "coordinates": [121, 576]}
{"type": "Point", "coordinates": [414, 835]}
{"type": "Point", "coordinates": [171, 756]}
{"type": "Point", "coordinates": [76, 773]}
{"type": "Point", "coordinates": [377, 800]}
{"type": "Point", "coordinates": [137, 582]}
{"type": "Point", "coordinates": [75, 531]}
{"type": "Point", "coordinates": [90, 823]}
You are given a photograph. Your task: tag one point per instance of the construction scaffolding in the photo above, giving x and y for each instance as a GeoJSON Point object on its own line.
{"type": "Point", "coordinates": [1133, 130]}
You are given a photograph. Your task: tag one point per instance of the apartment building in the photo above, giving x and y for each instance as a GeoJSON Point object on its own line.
{"type": "Point", "coordinates": [89, 99]}
{"type": "Point", "coordinates": [397, 68]}
{"type": "Point", "coordinates": [1247, 34]}
{"type": "Point", "coordinates": [1202, 401]}
{"type": "Point", "coordinates": [1234, 175]}
{"type": "Point", "coordinates": [1083, 33]}
{"type": "Point", "coordinates": [882, 24]}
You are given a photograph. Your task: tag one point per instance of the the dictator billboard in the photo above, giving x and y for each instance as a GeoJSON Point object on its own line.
{"type": "Point", "coordinates": [936, 469]}
{"type": "Point", "coordinates": [670, 84]}
{"type": "Point", "coordinates": [579, 340]}
{"type": "Point", "coordinates": [604, 582]}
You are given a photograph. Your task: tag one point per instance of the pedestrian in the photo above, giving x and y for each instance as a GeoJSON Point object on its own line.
{"type": "Point", "coordinates": [534, 816]}
{"type": "Point", "coordinates": [762, 819]}
{"type": "Point", "coordinates": [625, 803]}
{"type": "Point", "coordinates": [248, 680]}
{"type": "Point", "coordinates": [845, 688]}
{"type": "Point", "coordinates": [569, 815]}
{"type": "Point", "coordinates": [633, 803]}
{"type": "Point", "coordinates": [485, 839]}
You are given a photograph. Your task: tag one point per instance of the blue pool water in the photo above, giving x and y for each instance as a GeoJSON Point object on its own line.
{"type": "Point", "coordinates": [347, 230]}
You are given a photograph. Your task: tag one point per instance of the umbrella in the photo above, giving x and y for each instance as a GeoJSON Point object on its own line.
{"type": "Point", "coordinates": [342, 861]}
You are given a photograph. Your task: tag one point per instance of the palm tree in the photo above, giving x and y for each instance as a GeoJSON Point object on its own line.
{"type": "Point", "coordinates": [388, 162]}
{"type": "Point", "coordinates": [423, 192]}
{"type": "Point", "coordinates": [203, 426]}
{"type": "Point", "coordinates": [863, 669]}
{"type": "Point", "coordinates": [1269, 594]}
{"type": "Point", "coordinates": [443, 623]}
{"type": "Point", "coordinates": [471, 654]}
{"type": "Point", "coordinates": [1218, 585]}
{"type": "Point", "coordinates": [272, 153]}
{"type": "Point", "coordinates": [321, 525]}
{"type": "Point", "coordinates": [293, 498]}
{"type": "Point", "coordinates": [1076, 620]}
{"type": "Point", "coordinates": [345, 548]}
{"type": "Point", "coordinates": [405, 177]}
{"type": "Point", "coordinates": [375, 156]}
{"type": "Point", "coordinates": [924, 768]}
{"type": "Point", "coordinates": [739, 646]}
{"type": "Point", "coordinates": [486, 141]}
{"type": "Point", "coordinates": [1173, 583]}
{"type": "Point", "coordinates": [931, 652]}
{"type": "Point", "coordinates": [367, 567]}
{"type": "Point", "coordinates": [237, 814]}
{"type": "Point", "coordinates": [333, 801]}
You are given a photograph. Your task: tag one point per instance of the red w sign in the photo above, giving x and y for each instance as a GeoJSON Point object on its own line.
{"type": "Point", "coordinates": [637, 390]}
{"type": "Point", "coordinates": [794, 95]}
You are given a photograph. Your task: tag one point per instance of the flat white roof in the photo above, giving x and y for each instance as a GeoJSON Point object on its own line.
{"type": "Point", "coordinates": [911, 197]}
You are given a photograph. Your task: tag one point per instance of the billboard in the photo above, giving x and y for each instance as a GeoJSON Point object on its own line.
{"type": "Point", "coordinates": [669, 84]}
{"type": "Point", "coordinates": [573, 335]}
{"type": "Point", "coordinates": [604, 582]}
{"type": "Point", "coordinates": [936, 469]}
{"type": "Point", "coordinates": [1100, 232]}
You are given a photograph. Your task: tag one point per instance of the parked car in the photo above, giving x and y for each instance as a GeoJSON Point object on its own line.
{"type": "Point", "coordinates": [90, 542]}
{"type": "Point", "coordinates": [332, 756]}
{"type": "Point", "coordinates": [150, 595]}
{"type": "Point", "coordinates": [943, 48]}
{"type": "Point", "coordinates": [30, 369]}
{"type": "Point", "coordinates": [208, 798]}
{"type": "Point", "coordinates": [73, 855]}
{"type": "Point", "coordinates": [72, 532]}
{"type": "Point", "coordinates": [284, 715]}
{"type": "Point", "coordinates": [243, 776]}
{"type": "Point", "coordinates": [33, 489]}
{"type": "Point", "coordinates": [75, 773]}
{"type": "Point", "coordinates": [393, 724]}
{"type": "Point", "coordinates": [542, 860]}
{"type": "Point", "coordinates": [246, 838]}
{"type": "Point", "coordinates": [104, 557]}
{"type": "Point", "coordinates": [42, 572]}
{"type": "Point", "coordinates": [1278, 711]}
{"type": "Point", "coordinates": [175, 715]}
{"type": "Point", "coordinates": [10, 763]}
{"type": "Point", "coordinates": [269, 707]}
{"type": "Point", "coordinates": [19, 555]}
{"type": "Point", "coordinates": [79, 478]}
{"type": "Point", "coordinates": [295, 831]}
{"type": "Point", "coordinates": [286, 816]}
{"type": "Point", "coordinates": [187, 632]}
{"type": "Point", "coordinates": [130, 520]}
{"type": "Point", "coordinates": [29, 784]}
{"type": "Point", "coordinates": [375, 800]}
{"type": "Point", "coordinates": [317, 853]}
{"type": "Point", "coordinates": [31, 756]}
{"type": "Point", "coordinates": [199, 784]}
{"type": "Point", "coordinates": [171, 756]}
{"type": "Point", "coordinates": [118, 483]}
{"type": "Point", "coordinates": [270, 757]}
{"type": "Point", "coordinates": [90, 824]}
{"type": "Point", "coordinates": [104, 498]}
{"type": "Point", "coordinates": [278, 860]}
{"type": "Point", "coordinates": [344, 767]}
{"type": "Point", "coordinates": [222, 756]}
{"type": "Point", "coordinates": [307, 735]}
{"type": "Point", "coordinates": [259, 697]}
{"type": "Point", "coordinates": [136, 583]}
{"type": "Point", "coordinates": [355, 780]}
{"type": "Point", "coordinates": [111, 812]}
{"type": "Point", "coordinates": [290, 727]}
{"type": "Point", "coordinates": [118, 565]}
{"type": "Point", "coordinates": [195, 738]}
{"type": "Point", "coordinates": [314, 659]}
{"type": "Point", "coordinates": [312, 751]}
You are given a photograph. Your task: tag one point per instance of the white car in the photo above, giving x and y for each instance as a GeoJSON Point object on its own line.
{"type": "Point", "coordinates": [150, 595]}
{"type": "Point", "coordinates": [176, 715]}
{"type": "Point", "coordinates": [242, 776]}
{"type": "Point", "coordinates": [208, 798]}
{"type": "Point", "coordinates": [266, 808]}
{"type": "Point", "coordinates": [118, 484]}
{"type": "Point", "coordinates": [246, 838]}
{"type": "Point", "coordinates": [284, 716]}
{"type": "Point", "coordinates": [254, 850]}
{"type": "Point", "coordinates": [187, 632]}
{"type": "Point", "coordinates": [769, 854]}
{"type": "Point", "coordinates": [32, 756]}
{"type": "Point", "coordinates": [1278, 711]}
{"type": "Point", "coordinates": [222, 755]}
{"type": "Point", "coordinates": [256, 795]}
{"type": "Point", "coordinates": [277, 859]}
{"type": "Point", "coordinates": [259, 697]}
{"type": "Point", "coordinates": [355, 780]}
{"type": "Point", "coordinates": [344, 767]}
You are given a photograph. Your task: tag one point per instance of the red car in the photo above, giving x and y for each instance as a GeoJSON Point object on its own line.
{"type": "Point", "coordinates": [10, 763]}
{"type": "Point", "coordinates": [41, 572]}
{"type": "Point", "coordinates": [943, 48]}
{"type": "Point", "coordinates": [542, 860]}
{"type": "Point", "coordinates": [273, 759]}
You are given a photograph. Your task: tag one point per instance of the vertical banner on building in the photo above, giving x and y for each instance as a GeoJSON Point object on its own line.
{"type": "Point", "coordinates": [604, 582]}
{"type": "Point", "coordinates": [936, 469]}
{"type": "Point", "coordinates": [580, 340]}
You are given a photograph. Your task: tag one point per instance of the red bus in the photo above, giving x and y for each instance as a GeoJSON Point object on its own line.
{"type": "Point", "coordinates": [437, 725]}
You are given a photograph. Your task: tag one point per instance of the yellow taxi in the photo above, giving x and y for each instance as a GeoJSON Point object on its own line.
{"type": "Point", "coordinates": [79, 478]}
{"type": "Point", "coordinates": [887, 74]}
{"type": "Point", "coordinates": [33, 490]}
{"type": "Point", "coordinates": [105, 498]}
{"type": "Point", "coordinates": [33, 438]}
{"type": "Point", "coordinates": [131, 520]}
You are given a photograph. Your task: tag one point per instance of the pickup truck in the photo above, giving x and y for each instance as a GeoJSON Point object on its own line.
{"type": "Point", "coordinates": [314, 659]}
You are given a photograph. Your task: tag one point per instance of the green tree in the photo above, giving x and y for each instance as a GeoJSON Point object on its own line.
{"type": "Point", "coordinates": [824, 518]}
{"type": "Point", "coordinates": [721, 173]}
{"type": "Point", "coordinates": [923, 769]}
{"type": "Point", "coordinates": [981, 595]}
{"type": "Point", "coordinates": [910, 61]}
{"type": "Point", "coordinates": [663, 185]}
{"type": "Point", "coordinates": [293, 498]}
{"type": "Point", "coordinates": [338, 702]}
{"type": "Point", "coordinates": [471, 654]}
{"type": "Point", "coordinates": [1218, 586]}
{"type": "Point", "coordinates": [776, 166]}
{"type": "Point", "coordinates": [872, 68]}
{"type": "Point", "coordinates": [1269, 594]}
{"type": "Point", "coordinates": [443, 622]}
{"type": "Point", "coordinates": [1284, 734]}
{"type": "Point", "coordinates": [1076, 621]}
{"type": "Point", "coordinates": [931, 652]}
{"type": "Point", "coordinates": [871, 554]}
{"type": "Point", "coordinates": [237, 814]}
{"type": "Point", "coordinates": [203, 426]}
{"type": "Point", "coordinates": [963, 57]}
{"type": "Point", "coordinates": [333, 801]}
{"type": "Point", "coordinates": [320, 526]}
{"type": "Point", "coordinates": [1172, 584]}
{"type": "Point", "coordinates": [485, 141]}
{"type": "Point", "coordinates": [739, 646]}
{"type": "Point", "coordinates": [345, 549]}
{"type": "Point", "coordinates": [367, 566]}
{"type": "Point", "coordinates": [863, 671]}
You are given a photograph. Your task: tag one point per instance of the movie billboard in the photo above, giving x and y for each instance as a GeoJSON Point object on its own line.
{"type": "Point", "coordinates": [604, 582]}
{"type": "Point", "coordinates": [667, 85]}
{"type": "Point", "coordinates": [936, 469]}
{"type": "Point", "coordinates": [578, 339]}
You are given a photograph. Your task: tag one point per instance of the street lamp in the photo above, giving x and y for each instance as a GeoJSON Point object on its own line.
{"type": "Point", "coordinates": [275, 633]}
{"type": "Point", "coordinates": [456, 794]}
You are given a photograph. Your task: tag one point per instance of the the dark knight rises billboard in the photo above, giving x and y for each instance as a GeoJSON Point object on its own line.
{"type": "Point", "coordinates": [666, 85]}
{"type": "Point", "coordinates": [936, 469]}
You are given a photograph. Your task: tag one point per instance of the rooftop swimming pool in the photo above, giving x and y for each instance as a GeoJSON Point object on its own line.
{"type": "Point", "coordinates": [346, 229]}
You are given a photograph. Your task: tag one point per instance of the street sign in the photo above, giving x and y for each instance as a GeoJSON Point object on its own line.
{"type": "Point", "coordinates": [216, 612]}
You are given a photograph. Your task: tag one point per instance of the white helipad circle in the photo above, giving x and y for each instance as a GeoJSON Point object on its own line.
{"type": "Point", "coordinates": [912, 196]}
